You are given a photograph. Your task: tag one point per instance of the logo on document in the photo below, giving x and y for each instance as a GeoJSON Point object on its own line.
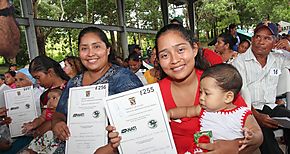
{"type": "Point", "coordinates": [128, 130]}
{"type": "Point", "coordinates": [18, 93]}
{"type": "Point", "coordinates": [88, 93]}
{"type": "Point", "coordinates": [27, 106]}
{"type": "Point", "coordinates": [78, 115]}
{"type": "Point", "coordinates": [132, 101]}
{"type": "Point", "coordinates": [14, 108]}
{"type": "Point", "coordinates": [152, 124]}
{"type": "Point", "coordinates": [96, 114]}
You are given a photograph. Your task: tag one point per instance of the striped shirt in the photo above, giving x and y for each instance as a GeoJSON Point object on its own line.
{"type": "Point", "coordinates": [260, 83]}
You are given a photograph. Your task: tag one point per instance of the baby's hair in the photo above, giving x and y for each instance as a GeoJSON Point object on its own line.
{"type": "Point", "coordinates": [56, 90]}
{"type": "Point", "coordinates": [12, 73]}
{"type": "Point", "coordinates": [226, 76]}
{"type": "Point", "coordinates": [246, 40]}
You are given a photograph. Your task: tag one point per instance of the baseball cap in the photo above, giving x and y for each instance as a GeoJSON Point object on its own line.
{"type": "Point", "coordinates": [177, 19]}
{"type": "Point", "coordinates": [271, 26]}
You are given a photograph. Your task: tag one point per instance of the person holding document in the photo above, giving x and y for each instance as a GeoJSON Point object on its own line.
{"type": "Point", "coordinates": [219, 86]}
{"type": "Point", "coordinates": [94, 51]}
{"type": "Point", "coordinates": [182, 67]}
{"type": "Point", "coordinates": [46, 115]}
{"type": "Point", "coordinates": [46, 143]}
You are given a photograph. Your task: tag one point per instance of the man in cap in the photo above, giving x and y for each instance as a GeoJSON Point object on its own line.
{"type": "Point", "coordinates": [176, 20]}
{"type": "Point", "coordinates": [260, 69]}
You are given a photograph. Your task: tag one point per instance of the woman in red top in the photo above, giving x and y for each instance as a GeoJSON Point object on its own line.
{"type": "Point", "coordinates": [181, 71]}
{"type": "Point", "coordinates": [180, 87]}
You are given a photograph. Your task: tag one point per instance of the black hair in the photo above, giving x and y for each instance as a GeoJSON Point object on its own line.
{"type": "Point", "coordinates": [176, 19]}
{"type": "Point", "coordinates": [228, 39]}
{"type": "Point", "coordinates": [42, 63]}
{"type": "Point", "coordinates": [232, 26]}
{"type": "Point", "coordinates": [12, 65]}
{"type": "Point", "coordinates": [75, 63]}
{"type": "Point", "coordinates": [200, 62]}
{"type": "Point", "coordinates": [2, 77]}
{"type": "Point", "coordinates": [12, 73]}
{"type": "Point", "coordinates": [246, 40]}
{"type": "Point", "coordinates": [102, 36]}
{"type": "Point", "coordinates": [227, 77]}
{"type": "Point", "coordinates": [135, 56]}
{"type": "Point", "coordinates": [97, 31]}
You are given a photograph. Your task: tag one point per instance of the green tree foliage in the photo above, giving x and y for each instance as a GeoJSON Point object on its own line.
{"type": "Point", "coordinates": [211, 16]}
{"type": "Point", "coordinates": [218, 14]}
{"type": "Point", "coordinates": [252, 12]}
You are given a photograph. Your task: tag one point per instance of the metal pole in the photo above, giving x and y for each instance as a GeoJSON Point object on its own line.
{"type": "Point", "coordinates": [164, 9]}
{"type": "Point", "coordinates": [123, 34]}
{"type": "Point", "coordinates": [26, 7]}
{"type": "Point", "coordinates": [191, 14]}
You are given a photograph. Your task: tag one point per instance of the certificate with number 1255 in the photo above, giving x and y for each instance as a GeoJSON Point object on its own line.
{"type": "Point", "coordinates": [139, 116]}
{"type": "Point", "coordinates": [87, 119]}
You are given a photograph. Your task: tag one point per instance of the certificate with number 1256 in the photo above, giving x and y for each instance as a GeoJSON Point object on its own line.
{"type": "Point", "coordinates": [87, 119]}
{"type": "Point", "coordinates": [139, 116]}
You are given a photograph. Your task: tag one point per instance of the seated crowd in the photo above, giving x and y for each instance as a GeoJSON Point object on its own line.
{"type": "Point", "coordinates": [239, 75]}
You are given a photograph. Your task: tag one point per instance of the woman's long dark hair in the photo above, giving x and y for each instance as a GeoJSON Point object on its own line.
{"type": "Point", "coordinates": [200, 62]}
{"type": "Point", "coordinates": [42, 63]}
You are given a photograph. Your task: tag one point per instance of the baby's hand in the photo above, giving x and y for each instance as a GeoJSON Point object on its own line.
{"type": "Point", "coordinates": [248, 138]}
{"type": "Point", "coordinates": [27, 127]}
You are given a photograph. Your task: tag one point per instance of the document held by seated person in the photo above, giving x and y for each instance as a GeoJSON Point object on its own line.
{"type": "Point", "coordinates": [3, 87]}
{"type": "Point", "coordinates": [87, 120]}
{"type": "Point", "coordinates": [21, 108]}
{"type": "Point", "coordinates": [139, 116]}
{"type": "Point", "coordinates": [282, 121]}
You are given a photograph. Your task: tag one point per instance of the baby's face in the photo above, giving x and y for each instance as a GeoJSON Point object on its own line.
{"type": "Point", "coordinates": [212, 97]}
{"type": "Point", "coordinates": [53, 98]}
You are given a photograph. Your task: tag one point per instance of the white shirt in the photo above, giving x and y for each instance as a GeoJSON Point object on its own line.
{"type": "Point", "coordinates": [260, 83]}
{"type": "Point", "coordinates": [141, 76]}
{"type": "Point", "coordinates": [225, 125]}
{"type": "Point", "coordinates": [37, 93]}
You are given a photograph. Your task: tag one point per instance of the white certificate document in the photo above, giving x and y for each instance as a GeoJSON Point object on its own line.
{"type": "Point", "coordinates": [87, 120]}
{"type": "Point", "coordinates": [22, 108]}
{"type": "Point", "coordinates": [139, 116]}
{"type": "Point", "coordinates": [3, 87]}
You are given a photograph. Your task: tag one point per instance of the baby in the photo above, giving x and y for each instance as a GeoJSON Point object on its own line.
{"type": "Point", "coordinates": [53, 97]}
{"type": "Point", "coordinates": [219, 86]}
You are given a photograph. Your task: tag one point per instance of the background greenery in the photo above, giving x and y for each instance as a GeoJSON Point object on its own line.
{"type": "Point", "coordinates": [212, 16]}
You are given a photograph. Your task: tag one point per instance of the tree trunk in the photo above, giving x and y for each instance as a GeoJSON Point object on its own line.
{"type": "Point", "coordinates": [119, 52]}
{"type": "Point", "coordinates": [113, 39]}
{"type": "Point", "coordinates": [39, 34]}
{"type": "Point", "coordinates": [70, 45]}
{"type": "Point", "coordinates": [40, 41]}
{"type": "Point", "coordinates": [207, 35]}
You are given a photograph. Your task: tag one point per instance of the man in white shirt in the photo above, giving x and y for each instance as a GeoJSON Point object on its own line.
{"type": "Point", "coordinates": [260, 69]}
